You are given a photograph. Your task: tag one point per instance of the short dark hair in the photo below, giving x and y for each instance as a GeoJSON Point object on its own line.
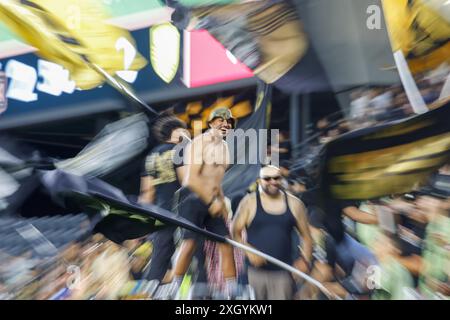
{"type": "Point", "coordinates": [164, 126]}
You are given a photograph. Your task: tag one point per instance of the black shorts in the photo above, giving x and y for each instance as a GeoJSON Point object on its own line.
{"type": "Point", "coordinates": [194, 210]}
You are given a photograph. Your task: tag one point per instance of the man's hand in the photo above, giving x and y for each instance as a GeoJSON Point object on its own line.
{"type": "Point", "coordinates": [217, 207]}
{"type": "Point", "coordinates": [301, 265]}
{"type": "Point", "coordinates": [255, 260]}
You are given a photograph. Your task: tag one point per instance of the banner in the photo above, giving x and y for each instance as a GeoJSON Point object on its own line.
{"type": "Point", "coordinates": [242, 174]}
{"type": "Point", "coordinates": [111, 149]}
{"type": "Point", "coordinates": [75, 40]}
{"type": "Point", "coordinates": [389, 159]}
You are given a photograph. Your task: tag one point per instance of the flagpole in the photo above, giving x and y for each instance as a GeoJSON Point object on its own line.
{"type": "Point", "coordinates": [285, 266]}
{"type": "Point", "coordinates": [277, 262]}
{"type": "Point", "coordinates": [273, 260]}
{"type": "Point", "coordinates": [168, 217]}
{"type": "Point", "coordinates": [409, 84]}
{"type": "Point", "coordinates": [121, 88]}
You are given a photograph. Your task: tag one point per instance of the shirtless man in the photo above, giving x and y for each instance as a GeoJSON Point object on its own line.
{"type": "Point", "coordinates": [206, 160]}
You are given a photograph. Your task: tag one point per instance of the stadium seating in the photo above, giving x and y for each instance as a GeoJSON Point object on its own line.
{"type": "Point", "coordinates": [58, 230]}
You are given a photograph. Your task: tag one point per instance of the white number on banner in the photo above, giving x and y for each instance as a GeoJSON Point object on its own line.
{"type": "Point", "coordinates": [129, 53]}
{"type": "Point", "coordinates": [23, 81]}
{"type": "Point", "coordinates": [55, 79]}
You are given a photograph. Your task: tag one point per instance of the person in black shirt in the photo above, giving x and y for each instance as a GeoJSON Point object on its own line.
{"type": "Point", "coordinates": [160, 185]}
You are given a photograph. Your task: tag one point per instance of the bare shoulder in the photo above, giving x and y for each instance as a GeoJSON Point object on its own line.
{"type": "Point", "coordinates": [293, 199]}
{"type": "Point", "coordinates": [247, 208]}
{"type": "Point", "coordinates": [194, 144]}
{"type": "Point", "coordinates": [295, 203]}
{"type": "Point", "coordinates": [198, 139]}
{"type": "Point", "coordinates": [249, 199]}
{"type": "Point", "coordinates": [193, 151]}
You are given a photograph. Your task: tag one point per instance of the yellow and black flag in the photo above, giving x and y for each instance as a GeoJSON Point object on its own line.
{"type": "Point", "coordinates": [388, 159]}
{"type": "Point", "coordinates": [72, 33]}
{"type": "Point", "coordinates": [421, 30]}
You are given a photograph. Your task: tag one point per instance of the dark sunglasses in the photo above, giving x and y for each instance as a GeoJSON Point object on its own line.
{"type": "Point", "coordinates": [277, 178]}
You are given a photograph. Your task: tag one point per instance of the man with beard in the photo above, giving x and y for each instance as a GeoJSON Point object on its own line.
{"type": "Point", "coordinates": [206, 160]}
{"type": "Point", "coordinates": [269, 216]}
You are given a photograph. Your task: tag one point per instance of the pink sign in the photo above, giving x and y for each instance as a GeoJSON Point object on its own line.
{"type": "Point", "coordinates": [207, 62]}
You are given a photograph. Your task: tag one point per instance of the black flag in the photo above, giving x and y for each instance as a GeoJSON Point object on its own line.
{"type": "Point", "coordinates": [393, 158]}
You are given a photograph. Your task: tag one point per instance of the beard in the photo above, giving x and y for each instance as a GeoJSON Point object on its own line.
{"type": "Point", "coordinates": [271, 190]}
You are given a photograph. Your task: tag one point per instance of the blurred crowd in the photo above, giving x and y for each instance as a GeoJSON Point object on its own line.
{"type": "Point", "coordinates": [408, 257]}
{"type": "Point", "coordinates": [409, 239]}
{"type": "Point", "coordinates": [370, 106]}
{"type": "Point", "coordinates": [392, 248]}
{"type": "Point", "coordinates": [92, 268]}
{"type": "Point", "coordinates": [397, 247]}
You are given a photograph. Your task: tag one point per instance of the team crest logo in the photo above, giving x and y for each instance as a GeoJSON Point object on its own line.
{"type": "Point", "coordinates": [165, 50]}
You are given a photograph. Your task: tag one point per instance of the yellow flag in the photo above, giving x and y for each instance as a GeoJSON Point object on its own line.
{"type": "Point", "coordinates": [73, 33]}
{"type": "Point", "coordinates": [420, 30]}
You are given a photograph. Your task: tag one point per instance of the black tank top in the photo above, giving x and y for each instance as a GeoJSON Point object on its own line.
{"type": "Point", "coordinates": [272, 233]}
